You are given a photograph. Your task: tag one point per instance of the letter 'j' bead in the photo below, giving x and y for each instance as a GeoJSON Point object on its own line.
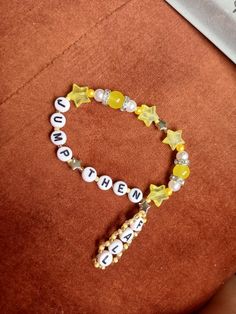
{"type": "Point", "coordinates": [62, 104]}
{"type": "Point", "coordinates": [58, 120]}
{"type": "Point", "coordinates": [104, 183]}
{"type": "Point", "coordinates": [120, 188]}
{"type": "Point", "coordinates": [58, 137]}
{"type": "Point", "coordinates": [64, 153]}
{"type": "Point", "coordinates": [89, 174]}
{"type": "Point", "coordinates": [105, 258]}
{"type": "Point", "coordinates": [135, 195]}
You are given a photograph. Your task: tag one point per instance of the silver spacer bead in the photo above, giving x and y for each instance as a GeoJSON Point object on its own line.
{"type": "Point", "coordinates": [177, 179]}
{"type": "Point", "coordinates": [124, 106]}
{"type": "Point", "coordinates": [182, 162]}
{"type": "Point", "coordinates": [162, 125]}
{"type": "Point", "coordinates": [105, 96]}
{"type": "Point", "coordinates": [144, 205]}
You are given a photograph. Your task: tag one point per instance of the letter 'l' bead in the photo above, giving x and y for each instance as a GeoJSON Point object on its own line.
{"type": "Point", "coordinates": [135, 195]}
{"type": "Point", "coordinates": [58, 120]}
{"type": "Point", "coordinates": [64, 153]}
{"type": "Point", "coordinates": [62, 104]}
{"type": "Point", "coordinates": [120, 188]}
{"type": "Point", "coordinates": [89, 174]}
{"type": "Point", "coordinates": [105, 258]}
{"type": "Point", "coordinates": [127, 235]}
{"type": "Point", "coordinates": [58, 137]}
{"type": "Point", "coordinates": [104, 183]}
{"type": "Point", "coordinates": [115, 247]}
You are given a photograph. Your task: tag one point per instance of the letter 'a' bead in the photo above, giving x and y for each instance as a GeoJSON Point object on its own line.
{"type": "Point", "coordinates": [104, 183]}
{"type": "Point", "coordinates": [127, 235]}
{"type": "Point", "coordinates": [62, 104]}
{"type": "Point", "coordinates": [58, 120]}
{"type": "Point", "coordinates": [115, 247]}
{"type": "Point", "coordinates": [64, 153]}
{"type": "Point", "coordinates": [58, 137]}
{"type": "Point", "coordinates": [89, 174]}
{"type": "Point", "coordinates": [105, 258]}
{"type": "Point", "coordinates": [135, 195]}
{"type": "Point", "coordinates": [120, 188]}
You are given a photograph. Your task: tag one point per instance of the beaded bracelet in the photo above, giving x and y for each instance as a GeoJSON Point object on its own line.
{"type": "Point", "coordinates": [110, 251]}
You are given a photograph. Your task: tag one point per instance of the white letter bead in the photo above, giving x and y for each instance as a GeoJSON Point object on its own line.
{"type": "Point", "coordinates": [105, 258]}
{"type": "Point", "coordinates": [58, 120]}
{"type": "Point", "coordinates": [62, 104]}
{"type": "Point", "coordinates": [137, 224]}
{"type": "Point", "coordinates": [58, 137]}
{"type": "Point", "coordinates": [64, 153]}
{"type": "Point", "coordinates": [120, 188]}
{"type": "Point", "coordinates": [104, 183]}
{"type": "Point", "coordinates": [89, 174]}
{"type": "Point", "coordinates": [127, 235]}
{"type": "Point", "coordinates": [135, 195]}
{"type": "Point", "coordinates": [98, 95]}
{"type": "Point", "coordinates": [115, 247]}
{"type": "Point", "coordinates": [182, 155]}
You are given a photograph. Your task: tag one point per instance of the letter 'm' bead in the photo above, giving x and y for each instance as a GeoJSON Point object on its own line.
{"type": "Point", "coordinates": [58, 137]}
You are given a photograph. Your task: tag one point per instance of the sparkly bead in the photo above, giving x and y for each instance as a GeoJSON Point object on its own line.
{"type": "Point", "coordinates": [89, 174]}
{"type": "Point", "coordinates": [131, 106]}
{"type": "Point", "coordinates": [174, 185]}
{"type": "Point", "coordinates": [115, 99]}
{"type": "Point", "coordinates": [181, 171]}
{"type": "Point", "coordinates": [62, 104]}
{"type": "Point", "coordinates": [58, 137]}
{"type": "Point", "coordinates": [58, 120]}
{"type": "Point", "coordinates": [64, 153]}
{"type": "Point", "coordinates": [90, 92]}
{"type": "Point", "coordinates": [120, 188]}
{"type": "Point", "coordinates": [105, 258]}
{"type": "Point", "coordinates": [183, 155]}
{"type": "Point", "coordinates": [115, 247]}
{"type": "Point", "coordinates": [180, 147]}
{"type": "Point", "coordinates": [135, 195]}
{"type": "Point", "coordinates": [104, 183]}
{"type": "Point", "coordinates": [127, 235]}
{"type": "Point", "coordinates": [98, 95]}
{"type": "Point", "coordinates": [168, 191]}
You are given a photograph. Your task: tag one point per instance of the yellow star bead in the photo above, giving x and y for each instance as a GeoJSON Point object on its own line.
{"type": "Point", "coordinates": [79, 95]}
{"type": "Point", "coordinates": [147, 114]}
{"type": "Point", "coordinates": [158, 194]}
{"type": "Point", "coordinates": [173, 139]}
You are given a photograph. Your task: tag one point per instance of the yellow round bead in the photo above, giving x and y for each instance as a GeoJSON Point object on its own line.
{"type": "Point", "coordinates": [169, 191]}
{"type": "Point", "coordinates": [138, 110]}
{"type": "Point", "coordinates": [180, 147]}
{"type": "Point", "coordinates": [181, 171]}
{"type": "Point", "coordinates": [90, 93]}
{"type": "Point", "coordinates": [116, 99]}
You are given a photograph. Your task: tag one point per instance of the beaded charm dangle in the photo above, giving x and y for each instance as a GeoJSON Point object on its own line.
{"type": "Point", "coordinates": [111, 250]}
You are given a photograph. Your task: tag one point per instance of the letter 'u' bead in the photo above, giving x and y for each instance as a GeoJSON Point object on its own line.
{"type": "Point", "coordinates": [58, 120]}
{"type": "Point", "coordinates": [135, 195]}
{"type": "Point", "coordinates": [64, 153]}
{"type": "Point", "coordinates": [58, 137]}
{"type": "Point", "coordinates": [104, 183]}
{"type": "Point", "coordinates": [62, 104]}
{"type": "Point", "coordinates": [89, 174]}
{"type": "Point", "coordinates": [120, 188]}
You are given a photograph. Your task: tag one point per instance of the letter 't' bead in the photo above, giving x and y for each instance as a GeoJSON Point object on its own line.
{"type": "Point", "coordinates": [115, 247]}
{"type": "Point", "coordinates": [135, 195]}
{"type": "Point", "coordinates": [62, 104]}
{"type": "Point", "coordinates": [89, 174]}
{"type": "Point", "coordinates": [120, 188]}
{"type": "Point", "coordinates": [105, 258]}
{"type": "Point", "coordinates": [64, 153]}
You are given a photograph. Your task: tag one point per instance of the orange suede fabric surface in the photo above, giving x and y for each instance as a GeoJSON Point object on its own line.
{"type": "Point", "coordinates": [51, 220]}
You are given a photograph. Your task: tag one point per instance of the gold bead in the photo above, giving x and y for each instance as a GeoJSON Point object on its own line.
{"type": "Point", "coordinates": [113, 237]}
{"type": "Point", "coordinates": [119, 254]}
{"type": "Point", "coordinates": [135, 234]}
{"type": "Point", "coordinates": [169, 191]}
{"type": "Point", "coordinates": [126, 245]}
{"type": "Point", "coordinates": [138, 110]}
{"type": "Point", "coordinates": [115, 259]}
{"type": "Point", "coordinates": [90, 93]}
{"type": "Point", "coordinates": [120, 231]}
{"type": "Point", "coordinates": [180, 147]}
{"type": "Point", "coordinates": [101, 248]}
{"type": "Point", "coordinates": [107, 243]}
{"type": "Point", "coordinates": [124, 226]}
{"type": "Point", "coordinates": [96, 264]}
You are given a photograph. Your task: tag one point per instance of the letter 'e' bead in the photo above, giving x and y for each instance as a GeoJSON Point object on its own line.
{"type": "Point", "coordinates": [89, 174]}
{"type": "Point", "coordinates": [62, 104]}
{"type": "Point", "coordinates": [120, 188]}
